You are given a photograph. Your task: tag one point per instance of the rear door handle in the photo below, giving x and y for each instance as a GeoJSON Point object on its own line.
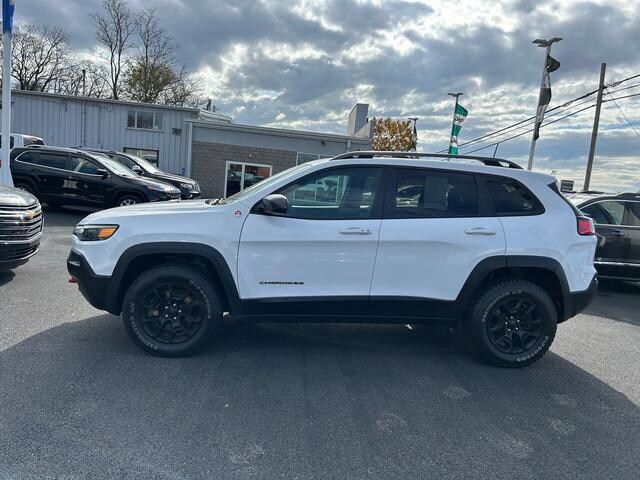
{"type": "Point", "coordinates": [480, 231]}
{"type": "Point", "coordinates": [356, 231]}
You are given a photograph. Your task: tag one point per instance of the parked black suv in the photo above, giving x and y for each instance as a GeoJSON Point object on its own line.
{"type": "Point", "coordinates": [20, 227]}
{"type": "Point", "coordinates": [189, 189]}
{"type": "Point", "coordinates": [617, 219]}
{"type": "Point", "coordinates": [65, 176]}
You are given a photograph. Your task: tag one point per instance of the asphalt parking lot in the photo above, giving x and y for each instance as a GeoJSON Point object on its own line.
{"type": "Point", "coordinates": [78, 400]}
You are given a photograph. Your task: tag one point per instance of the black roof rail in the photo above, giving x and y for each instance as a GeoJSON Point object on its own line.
{"type": "Point", "coordinates": [489, 161]}
{"type": "Point", "coordinates": [629, 195]}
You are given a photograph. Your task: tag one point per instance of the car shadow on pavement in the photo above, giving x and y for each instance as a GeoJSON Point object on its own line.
{"type": "Point", "coordinates": [619, 301]}
{"type": "Point", "coordinates": [302, 401]}
{"type": "Point", "coordinates": [63, 217]}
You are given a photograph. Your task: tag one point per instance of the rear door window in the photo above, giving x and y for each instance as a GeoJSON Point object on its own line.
{"type": "Point", "coordinates": [52, 160]}
{"type": "Point", "coordinates": [607, 212]}
{"type": "Point", "coordinates": [511, 198]}
{"type": "Point", "coordinates": [422, 193]}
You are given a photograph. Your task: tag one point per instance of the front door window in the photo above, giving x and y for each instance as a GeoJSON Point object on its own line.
{"type": "Point", "coordinates": [242, 175]}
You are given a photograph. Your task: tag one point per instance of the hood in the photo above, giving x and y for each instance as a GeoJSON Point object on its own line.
{"type": "Point", "coordinates": [16, 198]}
{"type": "Point", "coordinates": [170, 177]}
{"type": "Point", "coordinates": [148, 182]}
{"type": "Point", "coordinates": [147, 210]}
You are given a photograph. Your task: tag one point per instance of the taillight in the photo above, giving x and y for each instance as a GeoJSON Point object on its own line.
{"type": "Point", "coordinates": [585, 226]}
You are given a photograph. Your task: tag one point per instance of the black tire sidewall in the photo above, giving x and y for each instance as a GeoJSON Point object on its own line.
{"type": "Point", "coordinates": [499, 293]}
{"type": "Point", "coordinates": [148, 279]}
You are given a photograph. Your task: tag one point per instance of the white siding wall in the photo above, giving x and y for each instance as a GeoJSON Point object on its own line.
{"type": "Point", "coordinates": [59, 121]}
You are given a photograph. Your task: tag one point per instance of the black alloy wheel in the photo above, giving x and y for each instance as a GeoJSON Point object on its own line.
{"type": "Point", "coordinates": [512, 323]}
{"type": "Point", "coordinates": [171, 310]}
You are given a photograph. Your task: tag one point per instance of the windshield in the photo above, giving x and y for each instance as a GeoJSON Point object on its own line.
{"type": "Point", "coordinates": [266, 182]}
{"type": "Point", "coordinates": [114, 166]}
{"type": "Point", "coordinates": [146, 165]}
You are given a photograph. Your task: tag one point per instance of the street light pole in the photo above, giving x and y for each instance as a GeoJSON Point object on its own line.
{"type": "Point", "coordinates": [456, 95]}
{"type": "Point", "coordinates": [415, 132]}
{"type": "Point", "coordinates": [547, 45]}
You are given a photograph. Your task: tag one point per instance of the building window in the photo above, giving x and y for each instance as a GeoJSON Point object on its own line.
{"type": "Point", "coordinates": [144, 120]}
{"type": "Point", "coordinates": [308, 157]}
{"type": "Point", "coordinates": [242, 175]}
{"type": "Point", "coordinates": [149, 155]}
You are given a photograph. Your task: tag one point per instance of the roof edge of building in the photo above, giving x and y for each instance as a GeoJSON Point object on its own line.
{"type": "Point", "coordinates": [277, 131]}
{"type": "Point", "coordinates": [102, 100]}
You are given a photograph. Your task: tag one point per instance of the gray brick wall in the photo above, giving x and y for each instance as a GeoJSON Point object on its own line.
{"type": "Point", "coordinates": [208, 163]}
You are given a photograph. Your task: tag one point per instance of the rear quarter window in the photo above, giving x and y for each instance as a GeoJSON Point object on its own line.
{"type": "Point", "coordinates": [511, 198]}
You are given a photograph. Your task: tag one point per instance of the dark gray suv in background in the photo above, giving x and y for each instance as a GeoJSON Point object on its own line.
{"type": "Point", "coordinates": [617, 219]}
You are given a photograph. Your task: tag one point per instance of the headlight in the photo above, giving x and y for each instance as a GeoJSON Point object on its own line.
{"type": "Point", "coordinates": [186, 186]}
{"type": "Point", "coordinates": [90, 233]}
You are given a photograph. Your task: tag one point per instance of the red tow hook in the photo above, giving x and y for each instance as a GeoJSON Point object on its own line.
{"type": "Point", "coordinates": [73, 280]}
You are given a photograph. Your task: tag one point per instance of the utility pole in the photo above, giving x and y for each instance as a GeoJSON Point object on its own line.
{"type": "Point", "coordinates": [594, 132]}
{"type": "Point", "coordinates": [456, 95]}
{"type": "Point", "coordinates": [547, 44]}
{"type": "Point", "coordinates": [7, 25]}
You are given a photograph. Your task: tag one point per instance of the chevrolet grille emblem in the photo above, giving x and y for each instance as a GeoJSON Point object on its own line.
{"type": "Point", "coordinates": [28, 215]}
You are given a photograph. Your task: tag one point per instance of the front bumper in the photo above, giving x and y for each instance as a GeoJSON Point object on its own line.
{"type": "Point", "coordinates": [189, 194]}
{"type": "Point", "coordinates": [95, 288]}
{"type": "Point", "coordinates": [13, 255]}
{"type": "Point", "coordinates": [164, 196]}
{"type": "Point", "coordinates": [581, 300]}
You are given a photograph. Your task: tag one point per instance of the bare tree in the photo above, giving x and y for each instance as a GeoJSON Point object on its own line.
{"type": "Point", "coordinates": [114, 28]}
{"type": "Point", "coordinates": [40, 56]}
{"type": "Point", "coordinates": [84, 77]}
{"type": "Point", "coordinates": [155, 76]}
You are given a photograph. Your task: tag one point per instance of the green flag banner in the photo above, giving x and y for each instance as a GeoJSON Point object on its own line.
{"type": "Point", "coordinates": [458, 119]}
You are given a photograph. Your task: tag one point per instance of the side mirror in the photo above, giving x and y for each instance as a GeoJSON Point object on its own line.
{"type": "Point", "coordinates": [137, 169]}
{"type": "Point", "coordinates": [275, 204]}
{"type": "Point", "coordinates": [102, 172]}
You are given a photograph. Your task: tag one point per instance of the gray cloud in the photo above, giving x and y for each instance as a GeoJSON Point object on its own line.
{"type": "Point", "coordinates": [305, 66]}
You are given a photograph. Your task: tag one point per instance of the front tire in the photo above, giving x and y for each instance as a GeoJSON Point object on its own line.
{"type": "Point", "coordinates": [171, 311]}
{"type": "Point", "coordinates": [513, 323]}
{"type": "Point", "coordinates": [127, 200]}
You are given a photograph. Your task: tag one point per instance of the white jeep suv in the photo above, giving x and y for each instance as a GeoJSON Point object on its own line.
{"type": "Point", "coordinates": [363, 237]}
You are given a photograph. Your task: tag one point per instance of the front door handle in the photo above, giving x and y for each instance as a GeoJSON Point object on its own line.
{"type": "Point", "coordinates": [356, 231]}
{"type": "Point", "coordinates": [480, 231]}
{"type": "Point", "coordinates": [617, 233]}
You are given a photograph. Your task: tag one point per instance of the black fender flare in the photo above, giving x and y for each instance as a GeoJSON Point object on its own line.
{"type": "Point", "coordinates": [491, 264]}
{"type": "Point", "coordinates": [207, 252]}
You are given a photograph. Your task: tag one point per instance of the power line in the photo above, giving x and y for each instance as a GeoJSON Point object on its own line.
{"type": "Point", "coordinates": [625, 117]}
{"type": "Point", "coordinates": [566, 104]}
{"type": "Point", "coordinates": [531, 129]}
{"type": "Point", "coordinates": [493, 144]}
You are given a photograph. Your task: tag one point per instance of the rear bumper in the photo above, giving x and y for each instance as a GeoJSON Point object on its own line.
{"type": "Point", "coordinates": [95, 288]}
{"type": "Point", "coordinates": [581, 300]}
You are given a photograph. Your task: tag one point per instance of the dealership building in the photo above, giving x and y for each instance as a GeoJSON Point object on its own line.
{"type": "Point", "coordinates": [221, 155]}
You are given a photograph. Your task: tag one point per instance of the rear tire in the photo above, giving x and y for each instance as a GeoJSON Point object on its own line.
{"type": "Point", "coordinates": [171, 311]}
{"type": "Point", "coordinates": [513, 323]}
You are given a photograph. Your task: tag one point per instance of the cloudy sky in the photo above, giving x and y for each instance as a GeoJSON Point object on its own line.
{"type": "Point", "coordinates": [304, 63]}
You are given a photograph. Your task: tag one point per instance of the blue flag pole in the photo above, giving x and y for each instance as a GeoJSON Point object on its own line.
{"type": "Point", "coordinates": [8, 7]}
